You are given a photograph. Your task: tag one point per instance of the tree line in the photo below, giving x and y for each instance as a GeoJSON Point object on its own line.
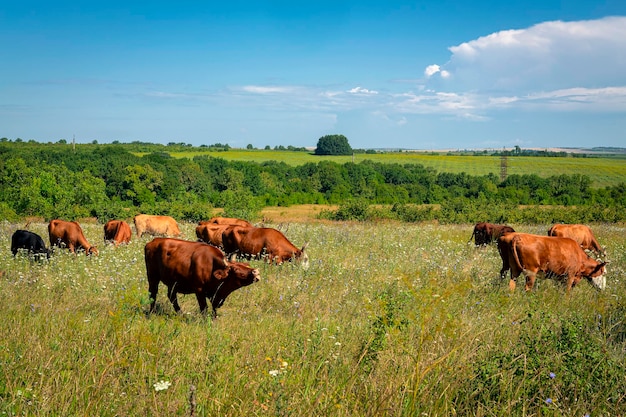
{"type": "Point", "coordinates": [108, 181]}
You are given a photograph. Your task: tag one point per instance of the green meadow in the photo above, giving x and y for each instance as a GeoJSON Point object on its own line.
{"type": "Point", "coordinates": [603, 171]}
{"type": "Point", "coordinates": [390, 319]}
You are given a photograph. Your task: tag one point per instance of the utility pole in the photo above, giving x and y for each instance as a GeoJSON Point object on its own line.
{"type": "Point", "coordinates": [504, 164]}
{"type": "Point", "coordinates": [74, 143]}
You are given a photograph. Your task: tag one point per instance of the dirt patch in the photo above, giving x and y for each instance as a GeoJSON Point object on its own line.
{"type": "Point", "coordinates": [297, 213]}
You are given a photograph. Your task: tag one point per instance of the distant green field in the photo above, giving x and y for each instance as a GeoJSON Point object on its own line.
{"type": "Point", "coordinates": [602, 171]}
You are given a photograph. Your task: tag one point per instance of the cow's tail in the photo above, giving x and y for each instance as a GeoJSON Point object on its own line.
{"type": "Point", "coordinates": [515, 255]}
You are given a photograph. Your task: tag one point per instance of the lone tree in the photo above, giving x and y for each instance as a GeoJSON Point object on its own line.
{"type": "Point", "coordinates": [333, 145]}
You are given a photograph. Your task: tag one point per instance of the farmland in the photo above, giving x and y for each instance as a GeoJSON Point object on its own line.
{"type": "Point", "coordinates": [390, 319]}
{"type": "Point", "coordinates": [602, 171]}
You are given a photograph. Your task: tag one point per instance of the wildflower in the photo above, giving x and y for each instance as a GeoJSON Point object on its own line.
{"type": "Point", "coordinates": [161, 385]}
{"type": "Point", "coordinates": [552, 375]}
{"type": "Point", "coordinates": [548, 400]}
{"type": "Point", "coordinates": [274, 372]}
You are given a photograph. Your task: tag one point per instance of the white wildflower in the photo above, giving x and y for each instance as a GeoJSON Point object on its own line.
{"type": "Point", "coordinates": [162, 385]}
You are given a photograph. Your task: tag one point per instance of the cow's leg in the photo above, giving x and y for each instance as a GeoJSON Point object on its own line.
{"type": "Point", "coordinates": [171, 294]}
{"type": "Point", "coordinates": [503, 272]}
{"type": "Point", "coordinates": [512, 284]}
{"type": "Point", "coordinates": [530, 280]}
{"type": "Point", "coordinates": [153, 288]}
{"type": "Point", "coordinates": [202, 302]}
{"type": "Point", "coordinates": [571, 282]}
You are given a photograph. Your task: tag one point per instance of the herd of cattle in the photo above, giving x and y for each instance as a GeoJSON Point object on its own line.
{"type": "Point", "coordinates": [561, 254]}
{"type": "Point", "coordinates": [209, 268]}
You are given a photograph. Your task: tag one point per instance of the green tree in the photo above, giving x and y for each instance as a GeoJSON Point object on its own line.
{"type": "Point", "coordinates": [141, 183]}
{"type": "Point", "coordinates": [333, 145]}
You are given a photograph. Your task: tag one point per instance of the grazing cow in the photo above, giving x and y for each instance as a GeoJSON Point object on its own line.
{"type": "Point", "coordinates": [156, 225]}
{"type": "Point", "coordinates": [211, 233]}
{"type": "Point", "coordinates": [484, 233]}
{"type": "Point", "coordinates": [581, 234]}
{"type": "Point", "coordinates": [553, 256]}
{"type": "Point", "coordinates": [117, 232]}
{"type": "Point", "coordinates": [227, 220]}
{"type": "Point", "coordinates": [259, 241]}
{"type": "Point", "coordinates": [32, 242]}
{"type": "Point", "coordinates": [70, 235]}
{"type": "Point", "coordinates": [193, 267]}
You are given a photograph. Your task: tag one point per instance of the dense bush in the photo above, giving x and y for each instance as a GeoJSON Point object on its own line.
{"type": "Point", "coordinates": [107, 181]}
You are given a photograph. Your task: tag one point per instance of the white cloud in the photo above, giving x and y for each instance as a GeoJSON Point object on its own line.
{"type": "Point", "coordinates": [360, 90]}
{"type": "Point", "coordinates": [431, 70]}
{"type": "Point", "coordinates": [257, 89]}
{"type": "Point", "coordinates": [547, 56]}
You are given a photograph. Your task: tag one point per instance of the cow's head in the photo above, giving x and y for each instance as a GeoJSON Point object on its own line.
{"type": "Point", "coordinates": [233, 277]}
{"type": "Point", "coordinates": [597, 278]}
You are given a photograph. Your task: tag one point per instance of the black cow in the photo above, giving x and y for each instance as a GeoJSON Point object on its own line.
{"type": "Point", "coordinates": [32, 242]}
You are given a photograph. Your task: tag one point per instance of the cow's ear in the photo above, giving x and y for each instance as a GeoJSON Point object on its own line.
{"type": "Point", "coordinates": [221, 273]}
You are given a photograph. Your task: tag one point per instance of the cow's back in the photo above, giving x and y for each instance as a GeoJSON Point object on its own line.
{"type": "Point", "coordinates": [117, 231]}
{"type": "Point", "coordinates": [547, 252]}
{"type": "Point", "coordinates": [25, 239]}
{"type": "Point", "coordinates": [156, 225]}
{"type": "Point", "coordinates": [174, 260]}
{"type": "Point", "coordinates": [581, 233]}
{"type": "Point", "coordinates": [228, 221]}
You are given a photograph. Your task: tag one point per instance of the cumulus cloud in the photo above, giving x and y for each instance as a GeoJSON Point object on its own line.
{"type": "Point", "coordinates": [547, 56]}
{"type": "Point", "coordinates": [431, 70]}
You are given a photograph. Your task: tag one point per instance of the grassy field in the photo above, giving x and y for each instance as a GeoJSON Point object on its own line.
{"type": "Point", "coordinates": [390, 319]}
{"type": "Point", "coordinates": [602, 171]}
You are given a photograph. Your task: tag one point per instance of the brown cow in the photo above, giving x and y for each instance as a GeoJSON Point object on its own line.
{"type": "Point", "coordinates": [193, 267]}
{"type": "Point", "coordinates": [227, 220]}
{"type": "Point", "coordinates": [70, 235]}
{"type": "Point", "coordinates": [581, 234]}
{"type": "Point", "coordinates": [156, 225]}
{"type": "Point", "coordinates": [117, 232]}
{"type": "Point", "coordinates": [553, 256]}
{"type": "Point", "coordinates": [262, 241]}
{"type": "Point", "coordinates": [485, 233]}
{"type": "Point", "coordinates": [211, 233]}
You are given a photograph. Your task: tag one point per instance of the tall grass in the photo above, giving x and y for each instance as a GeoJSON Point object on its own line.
{"type": "Point", "coordinates": [390, 319]}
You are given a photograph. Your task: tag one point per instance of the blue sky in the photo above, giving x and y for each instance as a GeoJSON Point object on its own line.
{"type": "Point", "coordinates": [386, 74]}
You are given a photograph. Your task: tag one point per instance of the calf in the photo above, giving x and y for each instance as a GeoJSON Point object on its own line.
{"type": "Point", "coordinates": [69, 235]}
{"type": "Point", "coordinates": [31, 242]}
{"type": "Point", "coordinates": [193, 267]}
{"type": "Point", "coordinates": [117, 232]}
{"type": "Point", "coordinates": [484, 233]}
